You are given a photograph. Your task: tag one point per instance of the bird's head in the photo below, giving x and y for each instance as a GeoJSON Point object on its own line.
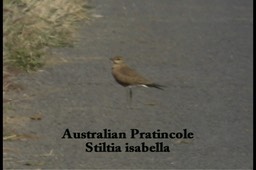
{"type": "Point", "coordinates": [117, 60]}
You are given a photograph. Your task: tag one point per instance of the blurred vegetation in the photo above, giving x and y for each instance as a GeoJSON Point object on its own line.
{"type": "Point", "coordinates": [30, 27]}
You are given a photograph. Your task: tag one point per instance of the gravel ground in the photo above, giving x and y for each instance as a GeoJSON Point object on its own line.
{"type": "Point", "coordinates": [201, 50]}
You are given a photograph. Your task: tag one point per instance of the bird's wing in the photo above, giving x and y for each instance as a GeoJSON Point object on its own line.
{"type": "Point", "coordinates": [132, 75]}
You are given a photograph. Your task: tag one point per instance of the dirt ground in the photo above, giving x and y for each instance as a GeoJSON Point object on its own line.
{"type": "Point", "coordinates": [201, 50]}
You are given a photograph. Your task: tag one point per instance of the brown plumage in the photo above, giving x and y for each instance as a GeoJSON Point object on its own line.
{"type": "Point", "coordinates": [126, 76]}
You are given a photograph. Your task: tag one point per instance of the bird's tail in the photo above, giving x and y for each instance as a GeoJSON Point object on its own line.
{"type": "Point", "coordinates": [158, 86]}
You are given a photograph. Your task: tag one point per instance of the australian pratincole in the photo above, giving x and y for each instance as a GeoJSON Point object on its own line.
{"type": "Point", "coordinates": [128, 77]}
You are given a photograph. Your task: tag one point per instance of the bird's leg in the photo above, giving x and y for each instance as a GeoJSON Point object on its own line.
{"type": "Point", "coordinates": [130, 95]}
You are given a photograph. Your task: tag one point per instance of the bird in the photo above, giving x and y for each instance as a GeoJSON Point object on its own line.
{"type": "Point", "coordinates": [128, 77]}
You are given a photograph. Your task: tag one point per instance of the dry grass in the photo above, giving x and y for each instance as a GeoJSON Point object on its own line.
{"type": "Point", "coordinates": [30, 28]}
{"type": "Point", "coordinates": [33, 26]}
